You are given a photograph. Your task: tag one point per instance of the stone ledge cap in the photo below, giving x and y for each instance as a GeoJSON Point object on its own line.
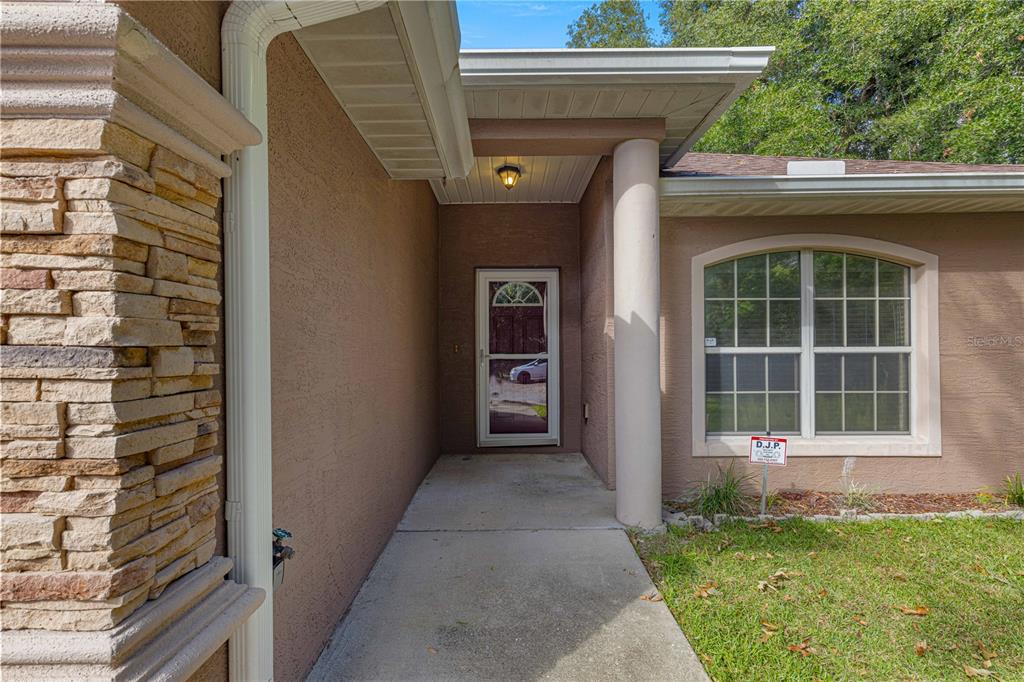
{"type": "Point", "coordinates": [119, 647]}
{"type": "Point", "coordinates": [89, 60]}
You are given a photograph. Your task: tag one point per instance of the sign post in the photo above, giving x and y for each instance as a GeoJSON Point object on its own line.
{"type": "Point", "coordinates": [767, 451]}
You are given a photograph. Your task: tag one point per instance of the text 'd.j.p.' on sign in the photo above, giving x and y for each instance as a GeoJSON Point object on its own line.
{"type": "Point", "coordinates": [767, 450]}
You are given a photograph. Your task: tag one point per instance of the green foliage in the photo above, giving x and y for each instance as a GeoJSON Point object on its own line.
{"type": "Point", "coordinates": [611, 23]}
{"type": "Point", "coordinates": [1015, 490]}
{"type": "Point", "coordinates": [723, 496]}
{"type": "Point", "coordinates": [858, 497]}
{"type": "Point", "coordinates": [936, 80]}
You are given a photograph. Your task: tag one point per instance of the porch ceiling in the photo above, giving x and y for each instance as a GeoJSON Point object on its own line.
{"type": "Point", "coordinates": [545, 180]}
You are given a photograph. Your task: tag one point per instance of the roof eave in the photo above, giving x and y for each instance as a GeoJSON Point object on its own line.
{"type": "Point", "coordinates": [735, 66]}
{"type": "Point", "coordinates": [874, 193]}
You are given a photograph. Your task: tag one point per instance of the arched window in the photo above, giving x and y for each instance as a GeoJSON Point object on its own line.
{"type": "Point", "coordinates": [517, 293]}
{"type": "Point", "coordinates": [817, 340]}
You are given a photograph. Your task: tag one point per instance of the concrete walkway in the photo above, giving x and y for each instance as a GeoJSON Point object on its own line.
{"type": "Point", "coordinates": [508, 567]}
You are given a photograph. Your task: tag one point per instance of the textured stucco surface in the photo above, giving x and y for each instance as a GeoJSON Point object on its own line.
{"type": "Point", "coordinates": [981, 293]}
{"type": "Point", "coordinates": [503, 236]}
{"type": "Point", "coordinates": [354, 351]}
{"type": "Point", "coordinates": [597, 338]}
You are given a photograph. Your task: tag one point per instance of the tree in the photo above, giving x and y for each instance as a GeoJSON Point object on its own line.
{"type": "Point", "coordinates": [936, 80]}
{"type": "Point", "coordinates": [611, 23]}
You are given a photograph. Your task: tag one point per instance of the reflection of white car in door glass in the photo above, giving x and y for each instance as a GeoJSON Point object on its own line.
{"type": "Point", "coordinates": [535, 370]}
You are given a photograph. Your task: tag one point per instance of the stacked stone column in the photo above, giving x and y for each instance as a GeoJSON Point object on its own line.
{"type": "Point", "coordinates": [110, 312]}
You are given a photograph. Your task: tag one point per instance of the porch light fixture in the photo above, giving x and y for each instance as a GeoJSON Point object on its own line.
{"type": "Point", "coordinates": [509, 175]}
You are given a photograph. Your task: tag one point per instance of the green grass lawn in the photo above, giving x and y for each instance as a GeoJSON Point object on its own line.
{"type": "Point", "coordinates": [835, 608]}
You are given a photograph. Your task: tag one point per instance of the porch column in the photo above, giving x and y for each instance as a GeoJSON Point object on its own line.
{"type": "Point", "coordinates": [637, 347]}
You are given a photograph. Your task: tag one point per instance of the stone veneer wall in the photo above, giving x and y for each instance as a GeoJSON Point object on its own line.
{"type": "Point", "coordinates": [110, 256]}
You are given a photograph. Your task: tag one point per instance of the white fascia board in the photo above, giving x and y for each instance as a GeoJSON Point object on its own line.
{"type": "Point", "coordinates": [778, 186]}
{"type": "Point", "coordinates": [430, 33]}
{"type": "Point", "coordinates": [612, 66]}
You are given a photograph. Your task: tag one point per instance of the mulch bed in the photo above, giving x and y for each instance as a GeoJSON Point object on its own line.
{"type": "Point", "coordinates": [811, 502]}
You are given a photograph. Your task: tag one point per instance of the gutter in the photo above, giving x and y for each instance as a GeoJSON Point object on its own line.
{"type": "Point", "coordinates": [246, 32]}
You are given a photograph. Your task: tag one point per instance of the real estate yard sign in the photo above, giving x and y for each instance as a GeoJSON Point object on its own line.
{"type": "Point", "coordinates": [767, 451]}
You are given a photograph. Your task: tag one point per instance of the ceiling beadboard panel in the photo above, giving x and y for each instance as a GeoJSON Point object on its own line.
{"type": "Point", "coordinates": [683, 106]}
{"type": "Point", "coordinates": [545, 180]}
{"type": "Point", "coordinates": [361, 59]}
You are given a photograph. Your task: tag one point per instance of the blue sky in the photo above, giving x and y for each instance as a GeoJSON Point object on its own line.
{"type": "Point", "coordinates": [511, 24]}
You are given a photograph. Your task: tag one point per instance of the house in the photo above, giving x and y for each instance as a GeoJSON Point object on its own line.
{"type": "Point", "coordinates": [260, 270]}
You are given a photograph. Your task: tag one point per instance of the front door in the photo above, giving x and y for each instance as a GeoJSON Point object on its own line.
{"type": "Point", "coordinates": [518, 363]}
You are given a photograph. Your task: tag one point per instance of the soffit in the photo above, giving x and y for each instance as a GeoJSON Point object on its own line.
{"type": "Point", "coordinates": [689, 88]}
{"type": "Point", "coordinates": [394, 71]}
{"type": "Point", "coordinates": [545, 179]}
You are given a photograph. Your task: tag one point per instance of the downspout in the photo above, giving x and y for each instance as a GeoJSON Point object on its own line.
{"type": "Point", "coordinates": [246, 32]}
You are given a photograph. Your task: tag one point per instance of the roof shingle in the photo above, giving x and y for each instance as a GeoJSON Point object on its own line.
{"type": "Point", "coordinates": [705, 164]}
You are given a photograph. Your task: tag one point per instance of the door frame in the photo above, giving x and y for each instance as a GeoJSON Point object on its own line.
{"type": "Point", "coordinates": [484, 276]}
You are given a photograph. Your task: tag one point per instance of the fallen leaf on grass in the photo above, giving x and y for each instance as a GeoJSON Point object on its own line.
{"type": "Point", "coordinates": [823, 593]}
{"type": "Point", "coordinates": [708, 589]}
{"type": "Point", "coordinates": [652, 595]}
{"type": "Point", "coordinates": [915, 611]}
{"type": "Point", "coordinates": [768, 525]}
{"type": "Point", "coordinates": [764, 586]}
{"type": "Point", "coordinates": [985, 652]}
{"type": "Point", "coordinates": [804, 648]}
{"type": "Point", "coordinates": [976, 672]}
{"type": "Point", "coordinates": [920, 648]}
{"type": "Point", "coordinates": [859, 620]}
{"type": "Point", "coordinates": [787, 597]}
{"type": "Point", "coordinates": [768, 630]}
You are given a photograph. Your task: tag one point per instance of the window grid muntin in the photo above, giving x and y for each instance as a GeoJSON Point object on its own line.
{"type": "Point", "coordinates": [874, 392]}
{"type": "Point", "coordinates": [768, 349]}
{"type": "Point", "coordinates": [876, 298]}
{"type": "Point", "coordinates": [808, 350]}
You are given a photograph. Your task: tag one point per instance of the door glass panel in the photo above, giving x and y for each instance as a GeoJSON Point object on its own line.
{"type": "Point", "coordinates": [517, 313]}
{"type": "Point", "coordinates": [517, 396]}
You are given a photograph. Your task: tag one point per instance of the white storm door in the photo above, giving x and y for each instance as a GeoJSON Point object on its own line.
{"type": "Point", "coordinates": [517, 357]}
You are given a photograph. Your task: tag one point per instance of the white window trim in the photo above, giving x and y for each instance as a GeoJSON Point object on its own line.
{"type": "Point", "coordinates": [925, 438]}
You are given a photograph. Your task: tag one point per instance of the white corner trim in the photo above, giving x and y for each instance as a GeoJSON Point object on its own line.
{"type": "Point", "coordinates": [88, 60]}
{"type": "Point", "coordinates": [246, 32]}
{"type": "Point", "coordinates": [925, 438]}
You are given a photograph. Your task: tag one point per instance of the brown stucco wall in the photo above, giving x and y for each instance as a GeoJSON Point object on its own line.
{"type": "Point", "coordinates": [981, 292]}
{"type": "Point", "coordinates": [354, 351]}
{"type": "Point", "coordinates": [597, 338]}
{"type": "Point", "coordinates": [191, 30]}
{"type": "Point", "coordinates": [499, 236]}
